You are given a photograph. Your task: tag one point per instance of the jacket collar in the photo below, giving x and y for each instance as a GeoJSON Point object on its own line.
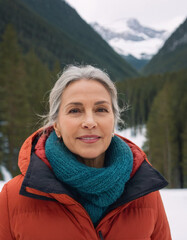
{"type": "Point", "coordinates": [34, 144]}
{"type": "Point", "coordinates": [146, 180]}
{"type": "Point", "coordinates": [39, 177]}
{"type": "Point", "coordinates": [40, 182]}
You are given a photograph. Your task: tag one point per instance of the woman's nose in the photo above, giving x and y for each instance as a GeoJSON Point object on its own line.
{"type": "Point", "coordinates": [89, 122]}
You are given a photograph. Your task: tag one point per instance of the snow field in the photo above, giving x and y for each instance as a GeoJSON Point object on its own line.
{"type": "Point", "coordinates": [176, 209]}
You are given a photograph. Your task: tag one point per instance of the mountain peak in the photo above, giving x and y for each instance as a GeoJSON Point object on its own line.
{"type": "Point", "coordinates": [133, 22]}
{"type": "Point", "coordinates": [129, 36]}
{"type": "Point", "coordinates": [135, 25]}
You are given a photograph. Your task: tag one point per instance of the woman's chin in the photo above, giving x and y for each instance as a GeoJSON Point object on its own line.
{"type": "Point", "coordinates": [88, 157]}
{"type": "Point", "coordinates": [92, 160]}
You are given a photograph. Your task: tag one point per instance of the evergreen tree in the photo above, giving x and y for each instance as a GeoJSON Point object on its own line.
{"type": "Point", "coordinates": [38, 82]}
{"type": "Point", "coordinates": [161, 102]}
{"type": "Point", "coordinates": [159, 134]}
{"type": "Point", "coordinates": [184, 155]}
{"type": "Point", "coordinates": [139, 93]}
{"type": "Point", "coordinates": [14, 109]}
{"type": "Point", "coordinates": [166, 130]}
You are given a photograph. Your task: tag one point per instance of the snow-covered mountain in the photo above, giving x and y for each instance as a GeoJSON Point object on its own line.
{"type": "Point", "coordinates": [130, 37]}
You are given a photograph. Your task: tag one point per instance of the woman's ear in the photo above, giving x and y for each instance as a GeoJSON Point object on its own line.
{"type": "Point", "coordinates": [57, 131]}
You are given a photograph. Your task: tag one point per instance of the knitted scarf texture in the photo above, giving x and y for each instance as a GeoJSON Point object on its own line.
{"type": "Point", "coordinates": [97, 187]}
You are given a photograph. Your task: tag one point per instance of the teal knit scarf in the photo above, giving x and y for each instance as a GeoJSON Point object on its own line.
{"type": "Point", "coordinates": [98, 187]}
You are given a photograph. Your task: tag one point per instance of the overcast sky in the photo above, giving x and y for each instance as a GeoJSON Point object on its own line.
{"type": "Point", "coordinates": [160, 14]}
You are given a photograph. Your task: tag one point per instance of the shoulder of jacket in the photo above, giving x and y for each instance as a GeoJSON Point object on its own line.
{"type": "Point", "coordinates": [10, 196]}
{"type": "Point", "coordinates": [13, 186]}
{"type": "Point", "coordinates": [148, 201]}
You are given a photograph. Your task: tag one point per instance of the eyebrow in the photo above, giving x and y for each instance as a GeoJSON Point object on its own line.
{"type": "Point", "coordinates": [80, 104]}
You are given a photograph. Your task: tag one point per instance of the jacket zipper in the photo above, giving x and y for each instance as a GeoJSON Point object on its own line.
{"type": "Point", "coordinates": [101, 236]}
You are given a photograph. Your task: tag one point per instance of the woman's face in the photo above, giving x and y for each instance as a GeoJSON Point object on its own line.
{"type": "Point", "coordinates": [86, 119]}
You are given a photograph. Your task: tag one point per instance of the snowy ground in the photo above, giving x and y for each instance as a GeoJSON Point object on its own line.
{"type": "Point", "coordinates": [138, 138]}
{"type": "Point", "coordinates": [176, 209]}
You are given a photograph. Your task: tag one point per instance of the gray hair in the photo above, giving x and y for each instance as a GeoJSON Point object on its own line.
{"type": "Point", "coordinates": [74, 73]}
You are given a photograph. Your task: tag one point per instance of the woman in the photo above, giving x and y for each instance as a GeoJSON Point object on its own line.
{"type": "Point", "coordinates": [78, 180]}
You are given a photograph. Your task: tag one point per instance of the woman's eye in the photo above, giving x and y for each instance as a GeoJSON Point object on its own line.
{"type": "Point", "coordinates": [102, 110]}
{"type": "Point", "coordinates": [74, 110]}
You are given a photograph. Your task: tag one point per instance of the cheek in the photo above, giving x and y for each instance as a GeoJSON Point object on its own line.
{"type": "Point", "coordinates": [109, 125]}
{"type": "Point", "coordinates": [68, 126]}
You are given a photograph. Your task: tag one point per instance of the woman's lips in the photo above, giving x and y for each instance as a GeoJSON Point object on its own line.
{"type": "Point", "coordinates": [89, 138]}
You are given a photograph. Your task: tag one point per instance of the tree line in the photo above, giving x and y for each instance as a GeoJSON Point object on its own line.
{"type": "Point", "coordinates": [160, 102]}
{"type": "Point", "coordinates": [24, 80]}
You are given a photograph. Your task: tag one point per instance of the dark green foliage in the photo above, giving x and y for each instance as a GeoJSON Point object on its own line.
{"type": "Point", "coordinates": [38, 80]}
{"type": "Point", "coordinates": [14, 109]}
{"type": "Point", "coordinates": [172, 56]}
{"type": "Point", "coordinates": [73, 41]}
{"type": "Point", "coordinates": [166, 130]}
{"type": "Point", "coordinates": [24, 80]}
{"type": "Point", "coordinates": [139, 93]}
{"type": "Point", "coordinates": [161, 102]}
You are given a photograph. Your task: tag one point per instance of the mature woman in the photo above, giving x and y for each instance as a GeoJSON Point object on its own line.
{"type": "Point", "coordinates": [78, 180]}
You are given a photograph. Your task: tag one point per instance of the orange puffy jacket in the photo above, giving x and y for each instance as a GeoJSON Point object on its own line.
{"type": "Point", "coordinates": [36, 206]}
